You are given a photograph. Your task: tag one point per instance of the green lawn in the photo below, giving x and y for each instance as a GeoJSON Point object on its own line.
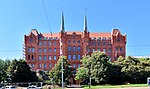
{"type": "Point", "coordinates": [116, 86]}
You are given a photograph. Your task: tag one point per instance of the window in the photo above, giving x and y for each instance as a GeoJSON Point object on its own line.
{"type": "Point", "coordinates": [120, 49]}
{"type": "Point", "coordinates": [50, 65]}
{"type": "Point", "coordinates": [78, 65]}
{"type": "Point", "coordinates": [74, 49]}
{"type": "Point", "coordinates": [40, 43]}
{"type": "Point", "coordinates": [93, 50]}
{"type": "Point", "coordinates": [32, 57]}
{"type": "Point", "coordinates": [44, 43]}
{"type": "Point", "coordinates": [79, 57]}
{"type": "Point", "coordinates": [28, 56]}
{"type": "Point", "coordinates": [44, 65]}
{"type": "Point", "coordinates": [69, 42]}
{"type": "Point", "coordinates": [109, 43]}
{"type": "Point", "coordinates": [116, 49]}
{"type": "Point", "coordinates": [50, 43]}
{"type": "Point", "coordinates": [32, 49]}
{"type": "Point", "coordinates": [69, 57]}
{"type": "Point", "coordinates": [29, 49]}
{"type": "Point", "coordinates": [74, 41]}
{"type": "Point", "coordinates": [44, 57]}
{"type": "Point", "coordinates": [93, 43]}
{"type": "Point", "coordinates": [74, 57]}
{"type": "Point", "coordinates": [78, 48]}
{"type": "Point", "coordinates": [88, 50]}
{"type": "Point", "coordinates": [104, 43]}
{"type": "Point", "coordinates": [55, 58]}
{"type": "Point", "coordinates": [98, 49]}
{"type": "Point", "coordinates": [69, 49]}
{"type": "Point", "coordinates": [109, 38]}
{"type": "Point", "coordinates": [54, 50]}
{"type": "Point", "coordinates": [54, 43]}
{"type": "Point", "coordinates": [74, 65]}
{"type": "Point", "coordinates": [109, 50]}
{"type": "Point", "coordinates": [118, 39]}
{"type": "Point", "coordinates": [78, 41]}
{"type": "Point", "coordinates": [104, 38]}
{"type": "Point", "coordinates": [99, 44]}
{"type": "Point", "coordinates": [104, 50]}
{"type": "Point", "coordinates": [50, 50]}
{"type": "Point", "coordinates": [44, 50]}
{"type": "Point", "coordinates": [50, 57]}
{"type": "Point", "coordinates": [88, 43]}
{"type": "Point", "coordinates": [40, 65]}
{"type": "Point", "coordinates": [40, 50]}
{"type": "Point", "coordinates": [98, 38]}
{"type": "Point", "coordinates": [40, 57]}
{"type": "Point", "coordinates": [32, 65]}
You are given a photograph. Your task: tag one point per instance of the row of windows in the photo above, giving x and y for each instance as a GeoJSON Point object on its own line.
{"type": "Point", "coordinates": [104, 50]}
{"type": "Point", "coordinates": [74, 49]}
{"type": "Point", "coordinates": [49, 43]}
{"type": "Point", "coordinates": [118, 49]}
{"type": "Point", "coordinates": [30, 49]}
{"type": "Point", "coordinates": [99, 38]}
{"type": "Point", "coordinates": [49, 57]}
{"type": "Point", "coordinates": [98, 43]}
{"type": "Point", "coordinates": [74, 57]}
{"type": "Point", "coordinates": [74, 41]}
{"type": "Point", "coordinates": [49, 38]}
{"type": "Point", "coordinates": [49, 50]}
{"type": "Point", "coordinates": [50, 65]}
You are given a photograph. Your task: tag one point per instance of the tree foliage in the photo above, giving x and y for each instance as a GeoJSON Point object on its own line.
{"type": "Point", "coordinates": [56, 72]}
{"type": "Point", "coordinates": [122, 71]}
{"type": "Point", "coordinates": [19, 71]}
{"type": "Point", "coordinates": [3, 67]}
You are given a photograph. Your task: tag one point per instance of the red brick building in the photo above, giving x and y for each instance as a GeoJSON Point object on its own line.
{"type": "Point", "coordinates": [42, 50]}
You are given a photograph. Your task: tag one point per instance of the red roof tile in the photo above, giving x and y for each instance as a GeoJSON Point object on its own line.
{"type": "Point", "coordinates": [104, 34]}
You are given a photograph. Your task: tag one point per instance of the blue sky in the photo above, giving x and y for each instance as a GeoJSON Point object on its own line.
{"type": "Point", "coordinates": [18, 17]}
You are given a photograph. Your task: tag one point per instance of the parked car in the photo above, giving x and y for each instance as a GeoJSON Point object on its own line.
{"type": "Point", "coordinates": [32, 87]}
{"type": "Point", "coordinates": [10, 87]}
{"type": "Point", "coordinates": [1, 87]}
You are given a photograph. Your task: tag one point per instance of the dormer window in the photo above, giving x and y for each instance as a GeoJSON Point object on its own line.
{"type": "Point", "coordinates": [98, 38]}
{"type": "Point", "coordinates": [118, 39]}
{"type": "Point", "coordinates": [93, 38]}
{"type": "Point", "coordinates": [109, 38]}
{"type": "Point", "coordinates": [50, 38]}
{"type": "Point", "coordinates": [104, 38]}
{"type": "Point", "coordinates": [55, 38]}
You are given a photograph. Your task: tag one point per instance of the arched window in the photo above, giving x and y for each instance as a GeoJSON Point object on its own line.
{"type": "Point", "coordinates": [69, 49]}
{"type": "Point", "coordinates": [79, 49]}
{"type": "Point", "coordinates": [74, 49]}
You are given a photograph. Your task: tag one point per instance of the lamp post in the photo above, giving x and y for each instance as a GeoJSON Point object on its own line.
{"type": "Point", "coordinates": [89, 77]}
{"type": "Point", "coordinates": [62, 74]}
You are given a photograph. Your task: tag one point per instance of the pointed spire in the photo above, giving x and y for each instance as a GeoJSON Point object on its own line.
{"type": "Point", "coordinates": [85, 21]}
{"type": "Point", "coordinates": [62, 23]}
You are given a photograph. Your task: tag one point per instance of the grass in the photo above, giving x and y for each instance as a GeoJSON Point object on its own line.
{"type": "Point", "coordinates": [115, 86]}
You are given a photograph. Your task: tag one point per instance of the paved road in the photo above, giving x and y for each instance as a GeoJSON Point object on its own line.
{"type": "Point", "coordinates": [118, 88]}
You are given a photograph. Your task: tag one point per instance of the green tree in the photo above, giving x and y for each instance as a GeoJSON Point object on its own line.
{"type": "Point", "coordinates": [3, 67]}
{"type": "Point", "coordinates": [19, 71]}
{"type": "Point", "coordinates": [56, 72]}
{"type": "Point", "coordinates": [82, 74]}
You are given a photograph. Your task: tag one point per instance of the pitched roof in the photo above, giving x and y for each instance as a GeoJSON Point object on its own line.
{"type": "Point", "coordinates": [78, 33]}
{"type": "Point", "coordinates": [50, 35]}
{"type": "Point", "coordinates": [103, 34]}
{"type": "Point", "coordinates": [33, 31]}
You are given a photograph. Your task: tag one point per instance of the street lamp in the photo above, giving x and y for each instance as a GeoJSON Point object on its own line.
{"type": "Point", "coordinates": [62, 73]}
{"type": "Point", "coordinates": [89, 77]}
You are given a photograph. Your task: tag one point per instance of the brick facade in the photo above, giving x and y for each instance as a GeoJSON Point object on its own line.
{"type": "Point", "coordinates": [42, 50]}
